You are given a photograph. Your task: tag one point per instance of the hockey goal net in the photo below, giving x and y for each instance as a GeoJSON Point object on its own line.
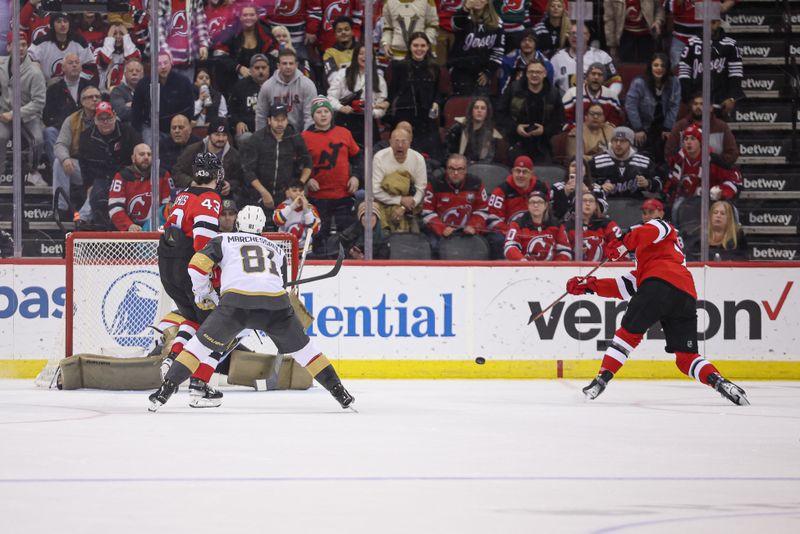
{"type": "Point", "coordinates": [114, 295]}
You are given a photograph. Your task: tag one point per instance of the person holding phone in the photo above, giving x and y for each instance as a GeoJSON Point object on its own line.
{"type": "Point", "coordinates": [532, 112]}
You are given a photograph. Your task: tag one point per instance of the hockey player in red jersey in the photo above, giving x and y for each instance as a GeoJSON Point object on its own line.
{"type": "Point", "coordinates": [193, 222]}
{"type": "Point", "coordinates": [660, 288]}
{"type": "Point", "coordinates": [534, 236]}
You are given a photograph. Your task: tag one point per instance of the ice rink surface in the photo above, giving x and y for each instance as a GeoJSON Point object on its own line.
{"type": "Point", "coordinates": [419, 457]}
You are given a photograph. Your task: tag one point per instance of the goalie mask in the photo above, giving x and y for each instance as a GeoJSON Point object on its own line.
{"type": "Point", "coordinates": [251, 219]}
{"type": "Point", "coordinates": [207, 168]}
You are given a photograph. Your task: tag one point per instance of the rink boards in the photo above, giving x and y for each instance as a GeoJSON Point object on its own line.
{"type": "Point", "coordinates": [432, 320]}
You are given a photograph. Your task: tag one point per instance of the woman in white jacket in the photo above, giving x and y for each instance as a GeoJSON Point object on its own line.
{"type": "Point", "coordinates": [346, 94]}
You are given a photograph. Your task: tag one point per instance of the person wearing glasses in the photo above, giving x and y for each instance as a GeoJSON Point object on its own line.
{"type": "Point", "coordinates": [66, 169]}
{"type": "Point", "coordinates": [454, 204]}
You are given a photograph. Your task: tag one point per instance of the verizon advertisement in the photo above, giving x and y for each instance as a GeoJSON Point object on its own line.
{"type": "Point", "coordinates": [444, 313]}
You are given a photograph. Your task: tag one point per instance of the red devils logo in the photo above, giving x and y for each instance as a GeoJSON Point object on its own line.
{"type": "Point", "coordinates": [457, 216]}
{"type": "Point", "coordinates": [179, 26]}
{"type": "Point", "coordinates": [39, 32]}
{"type": "Point", "coordinates": [335, 9]}
{"type": "Point", "coordinates": [115, 74]}
{"type": "Point", "coordinates": [296, 229]}
{"type": "Point", "coordinates": [288, 8]}
{"type": "Point", "coordinates": [512, 6]}
{"type": "Point", "coordinates": [592, 248]}
{"type": "Point", "coordinates": [139, 207]}
{"type": "Point", "coordinates": [540, 247]}
{"type": "Point", "coordinates": [57, 68]}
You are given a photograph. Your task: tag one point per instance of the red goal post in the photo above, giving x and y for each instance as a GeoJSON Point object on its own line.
{"type": "Point", "coordinates": [114, 293]}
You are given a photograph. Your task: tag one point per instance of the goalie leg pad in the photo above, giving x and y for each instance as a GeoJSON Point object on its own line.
{"type": "Point", "coordinates": [105, 372]}
{"type": "Point", "coordinates": [248, 367]}
{"type": "Point", "coordinates": [300, 311]}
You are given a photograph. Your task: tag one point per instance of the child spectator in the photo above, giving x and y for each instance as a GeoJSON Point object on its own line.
{"type": "Point", "coordinates": [534, 236]}
{"type": "Point", "coordinates": [296, 215]}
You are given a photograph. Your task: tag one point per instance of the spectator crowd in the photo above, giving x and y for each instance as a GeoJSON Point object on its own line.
{"type": "Point", "coordinates": [276, 90]}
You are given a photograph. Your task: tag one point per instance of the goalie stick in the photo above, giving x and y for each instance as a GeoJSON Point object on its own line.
{"type": "Point", "coordinates": [559, 299]}
{"type": "Point", "coordinates": [330, 274]}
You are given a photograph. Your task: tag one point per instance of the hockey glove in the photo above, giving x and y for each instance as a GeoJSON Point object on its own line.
{"type": "Point", "coordinates": [207, 300]}
{"type": "Point", "coordinates": [615, 250]}
{"type": "Point", "coordinates": [578, 285]}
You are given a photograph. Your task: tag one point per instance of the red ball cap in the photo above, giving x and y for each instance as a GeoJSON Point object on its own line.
{"type": "Point", "coordinates": [104, 108]}
{"type": "Point", "coordinates": [524, 161]}
{"type": "Point", "coordinates": [652, 204]}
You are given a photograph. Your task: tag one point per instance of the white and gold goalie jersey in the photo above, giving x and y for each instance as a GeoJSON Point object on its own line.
{"type": "Point", "coordinates": [251, 270]}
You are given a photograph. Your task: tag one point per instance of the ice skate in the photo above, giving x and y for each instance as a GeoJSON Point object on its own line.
{"type": "Point", "coordinates": [201, 395]}
{"type": "Point", "coordinates": [598, 385]}
{"type": "Point", "coordinates": [342, 396]}
{"type": "Point", "coordinates": [728, 389]}
{"type": "Point", "coordinates": [160, 397]}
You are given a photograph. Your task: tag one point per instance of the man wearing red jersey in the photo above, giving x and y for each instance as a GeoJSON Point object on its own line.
{"type": "Point", "coordinates": [509, 201]}
{"type": "Point", "coordinates": [660, 288]}
{"type": "Point", "coordinates": [193, 222]}
{"type": "Point", "coordinates": [454, 202]}
{"type": "Point", "coordinates": [130, 195]}
{"type": "Point", "coordinates": [332, 183]}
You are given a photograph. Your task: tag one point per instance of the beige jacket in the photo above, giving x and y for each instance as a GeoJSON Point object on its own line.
{"type": "Point", "coordinates": [614, 18]}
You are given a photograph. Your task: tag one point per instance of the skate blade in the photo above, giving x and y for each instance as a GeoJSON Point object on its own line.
{"type": "Point", "coordinates": [351, 409]}
{"type": "Point", "coordinates": [204, 403]}
{"type": "Point", "coordinates": [154, 405]}
{"type": "Point", "coordinates": [742, 400]}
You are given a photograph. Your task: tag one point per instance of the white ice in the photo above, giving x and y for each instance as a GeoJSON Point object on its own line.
{"type": "Point", "coordinates": [419, 457]}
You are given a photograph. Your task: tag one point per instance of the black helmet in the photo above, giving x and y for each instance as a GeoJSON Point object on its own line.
{"type": "Point", "coordinates": [207, 168]}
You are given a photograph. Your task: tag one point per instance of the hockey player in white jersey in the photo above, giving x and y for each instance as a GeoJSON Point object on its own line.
{"type": "Point", "coordinates": [251, 296]}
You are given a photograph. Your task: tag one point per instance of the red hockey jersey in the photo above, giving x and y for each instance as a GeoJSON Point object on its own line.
{"type": "Point", "coordinates": [508, 202]}
{"type": "Point", "coordinates": [527, 240]}
{"type": "Point", "coordinates": [658, 255]}
{"type": "Point", "coordinates": [685, 178]}
{"type": "Point", "coordinates": [32, 22]}
{"type": "Point", "coordinates": [330, 151]}
{"type": "Point", "coordinates": [447, 204]}
{"type": "Point", "coordinates": [130, 197]}
{"type": "Point", "coordinates": [596, 234]}
{"type": "Point", "coordinates": [295, 221]}
{"type": "Point", "coordinates": [320, 21]}
{"type": "Point", "coordinates": [196, 212]}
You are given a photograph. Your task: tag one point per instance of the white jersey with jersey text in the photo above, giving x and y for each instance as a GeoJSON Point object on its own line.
{"type": "Point", "coordinates": [251, 265]}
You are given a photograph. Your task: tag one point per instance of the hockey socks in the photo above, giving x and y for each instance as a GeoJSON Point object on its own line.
{"type": "Point", "coordinates": [617, 352]}
{"type": "Point", "coordinates": [185, 364]}
{"type": "Point", "coordinates": [323, 372]}
{"type": "Point", "coordinates": [186, 331]}
{"type": "Point", "coordinates": [695, 366]}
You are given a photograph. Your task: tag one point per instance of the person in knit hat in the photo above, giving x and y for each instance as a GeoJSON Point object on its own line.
{"type": "Point", "coordinates": [352, 238]}
{"type": "Point", "coordinates": [333, 182]}
{"type": "Point", "coordinates": [685, 179]}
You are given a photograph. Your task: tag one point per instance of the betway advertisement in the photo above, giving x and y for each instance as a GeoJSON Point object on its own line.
{"type": "Point", "coordinates": [451, 313]}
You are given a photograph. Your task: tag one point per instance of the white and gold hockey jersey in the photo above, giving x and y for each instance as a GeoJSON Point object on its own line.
{"type": "Point", "coordinates": [251, 270]}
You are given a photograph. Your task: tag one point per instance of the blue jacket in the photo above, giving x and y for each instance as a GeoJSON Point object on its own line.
{"type": "Point", "coordinates": [640, 104]}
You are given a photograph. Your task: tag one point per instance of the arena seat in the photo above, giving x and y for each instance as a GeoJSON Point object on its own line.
{"type": "Point", "coordinates": [550, 174]}
{"type": "Point", "coordinates": [491, 174]}
{"type": "Point", "coordinates": [625, 211]}
{"type": "Point", "coordinates": [464, 247]}
{"type": "Point", "coordinates": [200, 131]}
{"type": "Point", "coordinates": [409, 247]}
{"type": "Point", "coordinates": [455, 106]}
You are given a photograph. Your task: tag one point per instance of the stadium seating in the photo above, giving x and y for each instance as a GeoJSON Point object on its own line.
{"type": "Point", "coordinates": [550, 174]}
{"type": "Point", "coordinates": [625, 211]}
{"type": "Point", "coordinates": [492, 174]}
{"type": "Point", "coordinates": [464, 247]}
{"type": "Point", "coordinates": [409, 247]}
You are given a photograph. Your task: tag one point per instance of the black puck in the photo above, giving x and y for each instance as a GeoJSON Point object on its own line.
{"type": "Point", "coordinates": [480, 360]}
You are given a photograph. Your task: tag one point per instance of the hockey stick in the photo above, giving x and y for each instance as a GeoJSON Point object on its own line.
{"type": "Point", "coordinates": [559, 299]}
{"type": "Point", "coordinates": [330, 274]}
{"type": "Point", "coordinates": [272, 380]}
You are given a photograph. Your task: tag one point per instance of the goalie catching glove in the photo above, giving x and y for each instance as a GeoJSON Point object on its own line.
{"type": "Point", "coordinates": [578, 285]}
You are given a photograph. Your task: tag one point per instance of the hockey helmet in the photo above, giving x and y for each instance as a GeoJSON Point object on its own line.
{"type": "Point", "coordinates": [251, 219]}
{"type": "Point", "coordinates": [206, 168]}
